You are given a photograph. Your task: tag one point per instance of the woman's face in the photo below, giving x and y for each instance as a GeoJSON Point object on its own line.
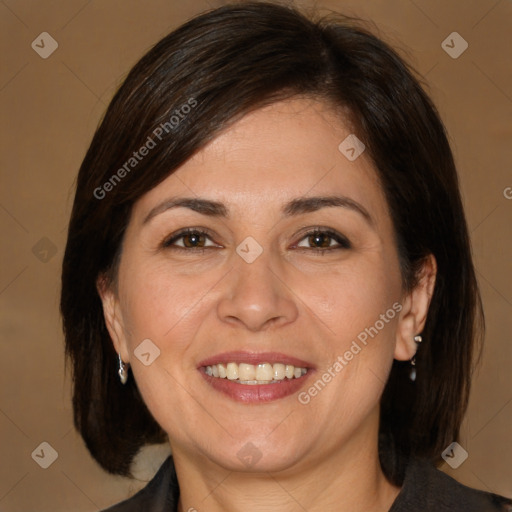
{"type": "Point", "coordinates": [268, 248]}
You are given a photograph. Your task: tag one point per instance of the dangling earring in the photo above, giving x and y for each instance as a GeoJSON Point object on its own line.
{"type": "Point", "coordinates": [123, 371]}
{"type": "Point", "coordinates": [412, 371]}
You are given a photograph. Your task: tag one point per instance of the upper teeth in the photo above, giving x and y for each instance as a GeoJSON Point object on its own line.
{"type": "Point", "coordinates": [262, 373]}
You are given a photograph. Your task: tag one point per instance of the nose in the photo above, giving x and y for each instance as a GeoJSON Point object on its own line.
{"type": "Point", "coordinates": [256, 297]}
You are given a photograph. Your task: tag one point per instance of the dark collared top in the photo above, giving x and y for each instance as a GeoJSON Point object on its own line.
{"type": "Point", "coordinates": [425, 489]}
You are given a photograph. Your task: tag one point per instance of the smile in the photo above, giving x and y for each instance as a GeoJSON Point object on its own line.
{"type": "Point", "coordinates": [250, 374]}
{"type": "Point", "coordinates": [255, 378]}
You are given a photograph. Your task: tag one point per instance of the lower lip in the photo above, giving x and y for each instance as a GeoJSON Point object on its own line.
{"type": "Point", "coordinates": [256, 393]}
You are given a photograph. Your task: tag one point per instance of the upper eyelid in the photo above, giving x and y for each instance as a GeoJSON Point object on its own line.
{"type": "Point", "coordinates": [309, 230]}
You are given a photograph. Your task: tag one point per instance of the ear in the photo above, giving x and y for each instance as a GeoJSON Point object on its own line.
{"type": "Point", "coordinates": [414, 311]}
{"type": "Point", "coordinates": [113, 316]}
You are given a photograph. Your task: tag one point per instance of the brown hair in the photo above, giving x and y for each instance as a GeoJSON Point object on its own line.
{"type": "Point", "coordinates": [224, 64]}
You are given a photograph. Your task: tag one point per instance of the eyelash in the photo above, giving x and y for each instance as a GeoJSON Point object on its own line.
{"type": "Point", "coordinates": [343, 242]}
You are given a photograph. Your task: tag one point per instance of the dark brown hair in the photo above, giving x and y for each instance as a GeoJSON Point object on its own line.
{"type": "Point", "coordinates": [224, 64]}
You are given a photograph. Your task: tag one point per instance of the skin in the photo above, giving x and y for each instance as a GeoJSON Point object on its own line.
{"type": "Point", "coordinates": [296, 298]}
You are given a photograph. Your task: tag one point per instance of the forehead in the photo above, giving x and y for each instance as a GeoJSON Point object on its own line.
{"type": "Point", "coordinates": [285, 150]}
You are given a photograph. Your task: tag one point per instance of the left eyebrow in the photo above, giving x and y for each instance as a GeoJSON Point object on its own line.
{"type": "Point", "coordinates": [312, 204]}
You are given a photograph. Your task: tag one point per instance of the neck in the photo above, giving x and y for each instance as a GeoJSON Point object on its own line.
{"type": "Point", "coordinates": [348, 479]}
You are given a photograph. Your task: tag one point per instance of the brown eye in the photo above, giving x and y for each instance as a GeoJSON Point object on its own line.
{"type": "Point", "coordinates": [324, 240]}
{"type": "Point", "coordinates": [189, 239]}
{"type": "Point", "coordinates": [319, 240]}
{"type": "Point", "coordinates": [194, 240]}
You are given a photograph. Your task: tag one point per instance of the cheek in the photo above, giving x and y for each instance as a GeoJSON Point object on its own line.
{"type": "Point", "coordinates": [350, 300]}
{"type": "Point", "coordinates": [357, 308]}
{"type": "Point", "coordinates": [158, 303]}
{"type": "Point", "coordinates": [168, 310]}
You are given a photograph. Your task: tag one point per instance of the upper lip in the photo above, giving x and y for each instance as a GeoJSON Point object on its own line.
{"type": "Point", "coordinates": [241, 356]}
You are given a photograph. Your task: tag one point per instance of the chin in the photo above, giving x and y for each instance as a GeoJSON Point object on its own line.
{"type": "Point", "coordinates": [250, 459]}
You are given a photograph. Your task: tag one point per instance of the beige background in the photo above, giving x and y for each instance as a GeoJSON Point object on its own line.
{"type": "Point", "coordinates": [50, 108]}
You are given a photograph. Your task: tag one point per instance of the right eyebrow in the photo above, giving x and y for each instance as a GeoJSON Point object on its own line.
{"type": "Point", "coordinates": [203, 206]}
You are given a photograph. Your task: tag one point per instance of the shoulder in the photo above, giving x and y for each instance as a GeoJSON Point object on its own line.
{"type": "Point", "coordinates": [427, 489]}
{"type": "Point", "coordinates": [161, 493]}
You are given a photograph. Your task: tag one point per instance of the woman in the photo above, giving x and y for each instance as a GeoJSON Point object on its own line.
{"type": "Point", "coordinates": [268, 267]}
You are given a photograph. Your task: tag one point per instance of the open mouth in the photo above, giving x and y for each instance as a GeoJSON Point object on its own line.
{"type": "Point", "coordinates": [254, 374]}
{"type": "Point", "coordinates": [255, 377]}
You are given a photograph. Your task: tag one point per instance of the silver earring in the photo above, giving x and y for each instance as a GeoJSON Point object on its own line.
{"type": "Point", "coordinates": [412, 371]}
{"type": "Point", "coordinates": [123, 371]}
